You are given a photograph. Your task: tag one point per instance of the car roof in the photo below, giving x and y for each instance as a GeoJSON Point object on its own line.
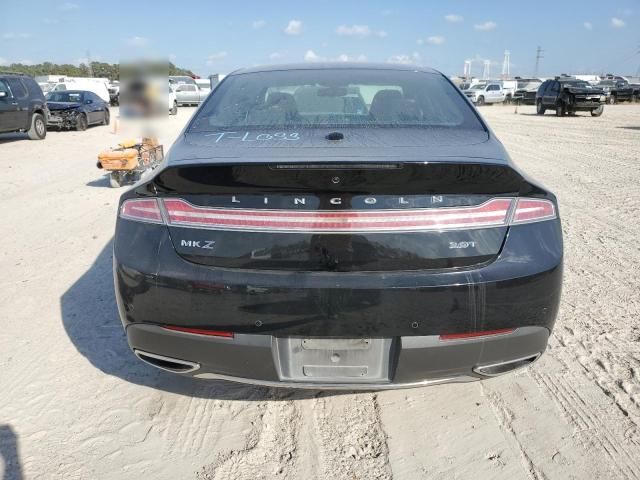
{"type": "Point", "coordinates": [335, 65]}
{"type": "Point", "coordinates": [18, 74]}
{"type": "Point", "coordinates": [72, 91]}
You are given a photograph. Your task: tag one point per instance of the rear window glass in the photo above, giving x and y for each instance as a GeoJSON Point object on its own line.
{"type": "Point", "coordinates": [64, 97]}
{"type": "Point", "coordinates": [335, 97]}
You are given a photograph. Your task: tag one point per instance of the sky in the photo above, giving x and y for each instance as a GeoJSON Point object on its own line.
{"type": "Point", "coordinates": [588, 36]}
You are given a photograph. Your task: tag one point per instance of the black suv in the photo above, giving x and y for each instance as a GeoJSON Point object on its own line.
{"type": "Point", "coordinates": [569, 95]}
{"type": "Point", "coordinates": [22, 106]}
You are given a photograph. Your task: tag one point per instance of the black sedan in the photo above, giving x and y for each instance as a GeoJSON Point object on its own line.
{"type": "Point", "coordinates": [76, 109]}
{"type": "Point", "coordinates": [338, 226]}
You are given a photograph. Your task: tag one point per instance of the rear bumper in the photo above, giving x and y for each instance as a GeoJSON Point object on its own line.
{"type": "Point", "coordinates": [521, 287]}
{"type": "Point", "coordinates": [414, 361]}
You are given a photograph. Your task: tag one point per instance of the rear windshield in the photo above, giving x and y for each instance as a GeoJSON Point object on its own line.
{"type": "Point", "coordinates": [64, 97]}
{"type": "Point", "coordinates": [335, 97]}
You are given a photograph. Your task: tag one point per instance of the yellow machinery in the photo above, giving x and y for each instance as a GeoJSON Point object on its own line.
{"type": "Point", "coordinates": [130, 159]}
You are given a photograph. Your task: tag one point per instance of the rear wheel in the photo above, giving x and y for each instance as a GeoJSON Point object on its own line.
{"type": "Point", "coordinates": [596, 112]}
{"type": "Point", "coordinates": [612, 100]}
{"type": "Point", "coordinates": [38, 129]}
{"type": "Point", "coordinates": [560, 109]}
{"type": "Point", "coordinates": [480, 100]}
{"type": "Point", "coordinates": [115, 179]}
{"type": "Point", "coordinates": [539, 108]}
{"type": "Point", "coordinates": [81, 122]}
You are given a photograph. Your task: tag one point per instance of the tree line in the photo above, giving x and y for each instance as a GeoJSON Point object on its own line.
{"type": "Point", "coordinates": [94, 69]}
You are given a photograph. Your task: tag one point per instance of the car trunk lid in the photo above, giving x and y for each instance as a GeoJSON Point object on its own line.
{"type": "Point", "coordinates": [366, 216]}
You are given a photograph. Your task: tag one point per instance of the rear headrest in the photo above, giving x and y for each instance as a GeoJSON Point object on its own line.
{"type": "Point", "coordinates": [279, 107]}
{"type": "Point", "coordinates": [384, 104]}
{"type": "Point", "coordinates": [391, 106]}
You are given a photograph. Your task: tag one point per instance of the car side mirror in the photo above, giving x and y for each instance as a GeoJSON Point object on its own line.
{"type": "Point", "coordinates": [89, 102]}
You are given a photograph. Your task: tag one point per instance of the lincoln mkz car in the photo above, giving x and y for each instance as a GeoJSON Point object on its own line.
{"type": "Point", "coordinates": [338, 226]}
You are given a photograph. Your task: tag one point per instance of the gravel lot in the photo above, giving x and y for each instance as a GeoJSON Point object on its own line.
{"type": "Point", "coordinates": [75, 403]}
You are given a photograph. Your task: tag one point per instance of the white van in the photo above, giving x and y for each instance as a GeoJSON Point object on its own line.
{"type": "Point", "coordinates": [99, 86]}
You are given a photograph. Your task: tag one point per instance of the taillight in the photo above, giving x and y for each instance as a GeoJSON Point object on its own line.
{"type": "Point", "coordinates": [142, 210]}
{"type": "Point", "coordinates": [469, 335]}
{"type": "Point", "coordinates": [492, 213]}
{"type": "Point", "coordinates": [533, 210]}
{"type": "Point", "coordinates": [199, 331]}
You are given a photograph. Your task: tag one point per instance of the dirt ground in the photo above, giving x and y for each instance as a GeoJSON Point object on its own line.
{"type": "Point", "coordinates": [76, 404]}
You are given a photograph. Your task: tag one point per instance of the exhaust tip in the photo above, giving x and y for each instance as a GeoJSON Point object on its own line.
{"type": "Point", "coordinates": [170, 364]}
{"type": "Point", "coordinates": [500, 368]}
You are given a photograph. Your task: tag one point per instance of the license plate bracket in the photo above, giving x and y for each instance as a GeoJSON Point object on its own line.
{"type": "Point", "coordinates": [333, 360]}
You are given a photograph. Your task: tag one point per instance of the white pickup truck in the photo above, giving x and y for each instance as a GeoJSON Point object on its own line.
{"type": "Point", "coordinates": [482, 93]}
{"type": "Point", "coordinates": [190, 93]}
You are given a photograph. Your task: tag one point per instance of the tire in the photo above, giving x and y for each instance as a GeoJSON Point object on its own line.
{"type": "Point", "coordinates": [38, 129]}
{"type": "Point", "coordinates": [115, 179]}
{"type": "Point", "coordinates": [174, 109]}
{"type": "Point", "coordinates": [539, 108]}
{"type": "Point", "coordinates": [612, 100]}
{"type": "Point", "coordinates": [480, 101]}
{"type": "Point", "coordinates": [107, 118]}
{"type": "Point", "coordinates": [81, 123]}
{"type": "Point", "coordinates": [596, 112]}
{"type": "Point", "coordinates": [561, 110]}
{"type": "Point", "coordinates": [634, 98]}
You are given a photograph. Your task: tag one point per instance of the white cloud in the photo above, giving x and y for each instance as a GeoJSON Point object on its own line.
{"type": "Point", "coordinates": [275, 56]}
{"type": "Point", "coordinates": [343, 57]}
{"type": "Point", "coordinates": [257, 24]}
{"type": "Point", "coordinates": [452, 18]}
{"type": "Point", "coordinates": [486, 26]}
{"type": "Point", "coordinates": [617, 22]}
{"type": "Point", "coordinates": [311, 56]}
{"type": "Point", "coordinates": [588, 25]}
{"type": "Point", "coordinates": [404, 59]}
{"type": "Point", "coordinates": [294, 27]}
{"type": "Point", "coordinates": [137, 41]}
{"type": "Point", "coordinates": [360, 31]}
{"type": "Point", "coordinates": [4, 61]}
{"type": "Point", "coordinates": [15, 36]}
{"type": "Point", "coordinates": [433, 40]}
{"type": "Point", "coordinates": [68, 6]}
{"type": "Point", "coordinates": [216, 57]}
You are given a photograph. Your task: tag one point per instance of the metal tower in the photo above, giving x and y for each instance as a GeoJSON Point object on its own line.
{"type": "Point", "coordinates": [506, 65]}
{"type": "Point", "coordinates": [539, 56]}
{"type": "Point", "coordinates": [467, 68]}
{"type": "Point", "coordinates": [486, 71]}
